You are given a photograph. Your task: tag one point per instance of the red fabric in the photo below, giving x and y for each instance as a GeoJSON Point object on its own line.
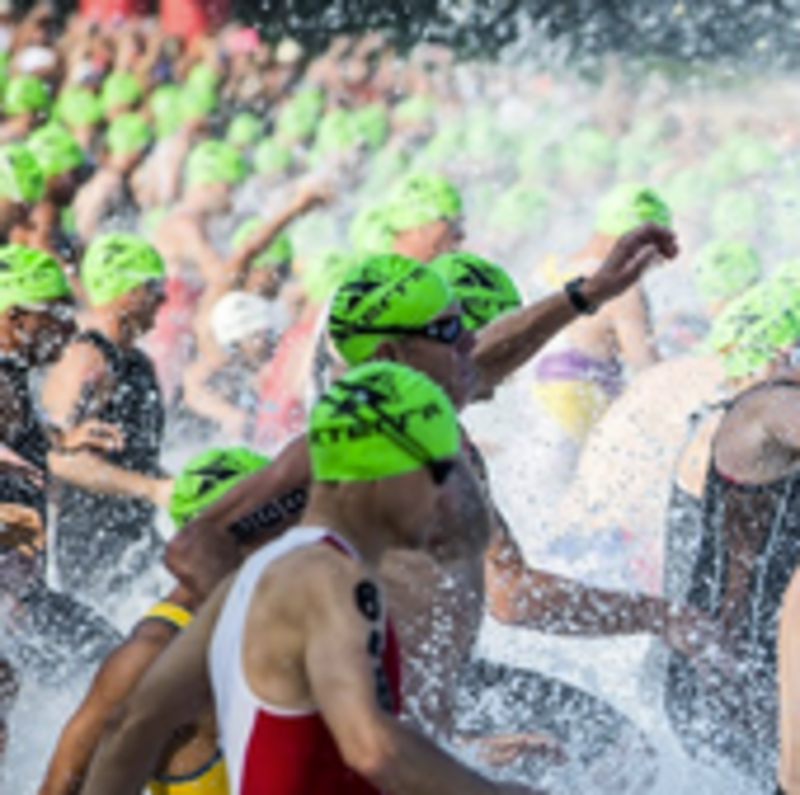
{"type": "Point", "coordinates": [190, 18]}
{"type": "Point", "coordinates": [113, 10]}
{"type": "Point", "coordinates": [297, 755]}
{"type": "Point", "coordinates": [281, 413]}
{"type": "Point", "coordinates": [170, 342]}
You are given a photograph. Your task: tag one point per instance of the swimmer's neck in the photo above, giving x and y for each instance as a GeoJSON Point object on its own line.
{"type": "Point", "coordinates": [114, 326]}
{"type": "Point", "coordinates": [343, 509]}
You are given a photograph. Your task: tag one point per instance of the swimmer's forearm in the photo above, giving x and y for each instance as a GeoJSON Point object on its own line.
{"type": "Point", "coordinates": [93, 473]}
{"type": "Point", "coordinates": [410, 764]}
{"type": "Point", "coordinates": [549, 603]}
{"type": "Point", "coordinates": [125, 759]}
{"type": "Point", "coordinates": [511, 341]}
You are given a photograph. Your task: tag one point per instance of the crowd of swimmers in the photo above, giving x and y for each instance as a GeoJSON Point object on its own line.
{"type": "Point", "coordinates": [247, 291]}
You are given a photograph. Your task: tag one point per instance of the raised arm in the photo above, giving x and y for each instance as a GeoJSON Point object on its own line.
{"type": "Point", "coordinates": [512, 340]}
{"type": "Point", "coordinates": [237, 265]}
{"type": "Point", "coordinates": [172, 694]}
{"type": "Point", "coordinates": [632, 328]}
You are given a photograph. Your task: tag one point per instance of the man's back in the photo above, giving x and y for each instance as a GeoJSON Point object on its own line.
{"type": "Point", "coordinates": [273, 734]}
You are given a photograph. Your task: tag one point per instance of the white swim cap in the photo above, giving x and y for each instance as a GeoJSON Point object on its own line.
{"type": "Point", "coordinates": [237, 315]}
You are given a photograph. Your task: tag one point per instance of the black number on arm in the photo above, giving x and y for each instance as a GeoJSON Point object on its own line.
{"type": "Point", "coordinates": [368, 600]}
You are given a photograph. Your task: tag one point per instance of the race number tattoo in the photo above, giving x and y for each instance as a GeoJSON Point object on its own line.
{"type": "Point", "coordinates": [368, 600]}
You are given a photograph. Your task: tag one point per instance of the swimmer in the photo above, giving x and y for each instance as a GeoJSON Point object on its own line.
{"type": "Point", "coordinates": [106, 203]}
{"type": "Point", "coordinates": [64, 168]}
{"type": "Point", "coordinates": [193, 762]}
{"type": "Point", "coordinates": [225, 399]}
{"type": "Point", "coordinates": [26, 107]}
{"type": "Point", "coordinates": [198, 275]}
{"type": "Point", "coordinates": [450, 592]}
{"type": "Point", "coordinates": [36, 322]}
{"type": "Point", "coordinates": [748, 548]}
{"type": "Point", "coordinates": [302, 655]}
{"type": "Point", "coordinates": [619, 479]}
{"type": "Point", "coordinates": [576, 384]}
{"type": "Point", "coordinates": [108, 523]}
{"type": "Point", "coordinates": [21, 187]}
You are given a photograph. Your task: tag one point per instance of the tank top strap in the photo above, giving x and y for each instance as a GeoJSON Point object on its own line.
{"type": "Point", "coordinates": [101, 343]}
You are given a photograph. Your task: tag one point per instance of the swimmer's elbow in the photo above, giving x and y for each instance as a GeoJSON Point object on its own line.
{"type": "Point", "coordinates": [177, 555]}
{"type": "Point", "coordinates": [373, 754]}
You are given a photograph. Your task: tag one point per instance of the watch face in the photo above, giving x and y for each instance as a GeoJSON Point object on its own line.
{"type": "Point", "coordinates": [577, 298]}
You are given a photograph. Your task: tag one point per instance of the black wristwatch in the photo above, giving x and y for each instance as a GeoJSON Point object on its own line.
{"type": "Point", "coordinates": [583, 306]}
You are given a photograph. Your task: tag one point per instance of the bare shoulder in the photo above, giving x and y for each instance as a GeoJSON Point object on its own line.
{"type": "Point", "coordinates": [313, 575]}
{"type": "Point", "coordinates": [81, 359]}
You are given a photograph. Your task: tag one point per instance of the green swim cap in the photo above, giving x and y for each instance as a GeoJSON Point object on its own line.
{"type": "Point", "coordinates": [280, 252]}
{"type": "Point", "coordinates": [585, 151]}
{"type": "Point", "coordinates": [29, 276]}
{"type": "Point", "coordinates": [383, 291]}
{"type": "Point", "coordinates": [213, 162]}
{"type": "Point", "coordinates": [325, 271]}
{"type": "Point", "coordinates": [372, 123]}
{"type": "Point", "coordinates": [207, 477]}
{"type": "Point", "coordinates": [755, 156]}
{"type": "Point", "coordinates": [735, 214]}
{"type": "Point", "coordinates": [751, 331]}
{"type": "Point", "coordinates": [244, 130]}
{"type": "Point", "coordinates": [421, 199]}
{"type": "Point", "coordinates": [21, 178]}
{"type": "Point", "coordinates": [444, 147]}
{"type": "Point", "coordinates": [297, 119]}
{"type": "Point", "coordinates": [370, 231]}
{"type": "Point", "coordinates": [629, 206]}
{"type": "Point", "coordinates": [484, 290]}
{"type": "Point", "coordinates": [26, 94]}
{"type": "Point", "coordinates": [163, 99]}
{"type": "Point", "coordinates": [687, 189]}
{"type": "Point", "coordinates": [165, 108]}
{"type": "Point", "coordinates": [128, 133]}
{"type": "Point", "coordinates": [415, 109]}
{"type": "Point", "coordinates": [338, 131]}
{"type": "Point", "coordinates": [115, 264]}
{"type": "Point", "coordinates": [725, 268]}
{"type": "Point", "coordinates": [380, 420]}
{"type": "Point", "coordinates": [482, 138]}
{"type": "Point", "coordinates": [203, 77]}
{"type": "Point", "coordinates": [56, 151]}
{"type": "Point", "coordinates": [524, 208]}
{"type": "Point", "coordinates": [271, 158]}
{"type": "Point", "coordinates": [197, 103]}
{"type": "Point", "coordinates": [785, 205]}
{"type": "Point", "coordinates": [79, 107]}
{"type": "Point", "coordinates": [788, 271]}
{"type": "Point", "coordinates": [120, 90]}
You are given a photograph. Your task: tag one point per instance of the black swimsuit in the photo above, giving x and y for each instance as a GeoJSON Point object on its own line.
{"type": "Point", "coordinates": [95, 532]}
{"type": "Point", "coordinates": [737, 718]}
{"type": "Point", "coordinates": [49, 634]}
